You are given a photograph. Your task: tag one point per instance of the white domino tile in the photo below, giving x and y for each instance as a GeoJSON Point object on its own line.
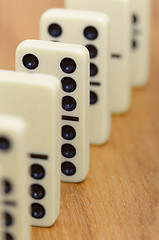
{"type": "Point", "coordinates": [35, 99]}
{"type": "Point", "coordinates": [90, 29]}
{"type": "Point", "coordinates": [14, 191]}
{"type": "Point", "coordinates": [70, 63]}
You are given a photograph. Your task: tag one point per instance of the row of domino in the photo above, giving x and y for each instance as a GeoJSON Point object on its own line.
{"type": "Point", "coordinates": [34, 165]}
{"type": "Point", "coordinates": [36, 98]}
{"type": "Point", "coordinates": [32, 55]}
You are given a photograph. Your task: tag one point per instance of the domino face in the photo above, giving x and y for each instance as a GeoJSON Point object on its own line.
{"type": "Point", "coordinates": [120, 32]}
{"type": "Point", "coordinates": [140, 42]}
{"type": "Point", "coordinates": [35, 98]}
{"type": "Point", "coordinates": [14, 208]}
{"type": "Point", "coordinates": [70, 64]}
{"type": "Point", "coordinates": [92, 31]}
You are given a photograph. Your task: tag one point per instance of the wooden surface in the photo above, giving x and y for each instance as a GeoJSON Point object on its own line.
{"type": "Point", "coordinates": [120, 198]}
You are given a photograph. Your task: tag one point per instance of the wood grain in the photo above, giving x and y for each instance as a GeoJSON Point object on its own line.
{"type": "Point", "coordinates": [120, 198]}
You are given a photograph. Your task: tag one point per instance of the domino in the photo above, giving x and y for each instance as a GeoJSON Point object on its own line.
{"type": "Point", "coordinates": [36, 98]}
{"type": "Point", "coordinates": [70, 63]}
{"type": "Point", "coordinates": [14, 194]}
{"type": "Point", "coordinates": [120, 38]}
{"type": "Point", "coordinates": [92, 31]}
{"type": "Point", "coordinates": [140, 42]}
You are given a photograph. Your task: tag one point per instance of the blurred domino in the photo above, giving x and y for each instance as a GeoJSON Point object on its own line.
{"type": "Point", "coordinates": [140, 42]}
{"type": "Point", "coordinates": [14, 205]}
{"type": "Point", "coordinates": [35, 98]}
{"type": "Point", "coordinates": [70, 63]}
{"type": "Point", "coordinates": [120, 33]}
{"type": "Point", "coordinates": [91, 30]}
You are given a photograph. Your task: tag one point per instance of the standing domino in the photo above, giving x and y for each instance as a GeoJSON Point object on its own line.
{"type": "Point", "coordinates": [36, 98]}
{"type": "Point", "coordinates": [140, 42]}
{"type": "Point", "coordinates": [70, 63]}
{"type": "Point", "coordinates": [91, 30]}
{"type": "Point", "coordinates": [13, 160]}
{"type": "Point", "coordinates": [120, 32]}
